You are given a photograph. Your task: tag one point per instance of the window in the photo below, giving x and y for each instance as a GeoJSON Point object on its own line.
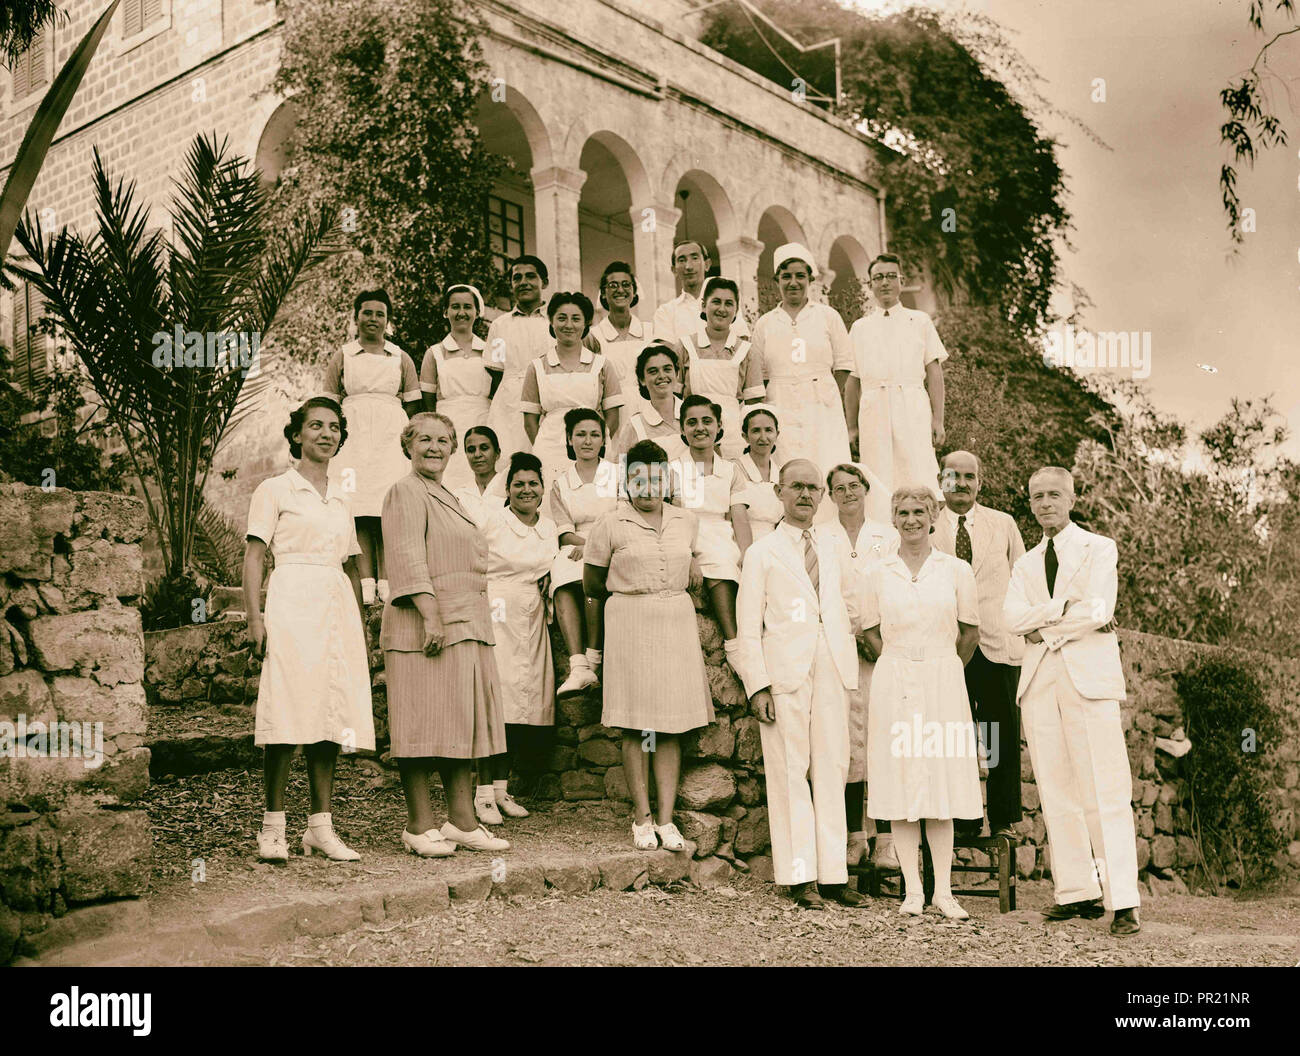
{"type": "Point", "coordinates": [505, 230]}
{"type": "Point", "coordinates": [31, 72]}
{"type": "Point", "coordinates": [139, 15]}
{"type": "Point", "coordinates": [28, 367]}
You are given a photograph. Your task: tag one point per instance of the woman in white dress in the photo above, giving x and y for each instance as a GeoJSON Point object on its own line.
{"type": "Point", "coordinates": [315, 684]}
{"type": "Point", "coordinates": [374, 379]}
{"type": "Point", "coordinates": [806, 356]}
{"type": "Point", "coordinates": [921, 625]}
{"type": "Point", "coordinates": [569, 376]}
{"type": "Point", "coordinates": [455, 378]}
{"type": "Point", "coordinates": [719, 364]}
{"type": "Point", "coordinates": [521, 547]}
{"type": "Point", "coordinates": [579, 498]}
{"type": "Point", "coordinates": [760, 467]}
{"type": "Point", "coordinates": [707, 484]}
{"type": "Point", "coordinates": [863, 542]}
{"type": "Point", "coordinates": [487, 489]}
{"type": "Point", "coordinates": [621, 334]}
{"type": "Point", "coordinates": [658, 373]}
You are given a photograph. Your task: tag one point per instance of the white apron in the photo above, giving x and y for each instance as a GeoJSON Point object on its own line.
{"type": "Point", "coordinates": [719, 380]}
{"type": "Point", "coordinates": [557, 393]}
{"type": "Point", "coordinates": [708, 496]}
{"type": "Point", "coordinates": [463, 387]}
{"type": "Point", "coordinates": [523, 652]}
{"type": "Point", "coordinates": [759, 496]}
{"type": "Point", "coordinates": [371, 459]}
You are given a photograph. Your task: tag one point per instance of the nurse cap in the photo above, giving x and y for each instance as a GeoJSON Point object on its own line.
{"type": "Point", "coordinates": [478, 297]}
{"type": "Point", "coordinates": [794, 251]}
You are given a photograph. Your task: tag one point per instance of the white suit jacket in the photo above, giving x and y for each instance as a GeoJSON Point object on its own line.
{"type": "Point", "coordinates": [778, 613]}
{"type": "Point", "coordinates": [1086, 582]}
{"type": "Point", "coordinates": [996, 545]}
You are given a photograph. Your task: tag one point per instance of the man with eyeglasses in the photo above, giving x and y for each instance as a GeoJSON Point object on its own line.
{"type": "Point", "coordinates": [894, 392]}
{"type": "Point", "coordinates": [681, 316]}
{"type": "Point", "coordinates": [796, 614]}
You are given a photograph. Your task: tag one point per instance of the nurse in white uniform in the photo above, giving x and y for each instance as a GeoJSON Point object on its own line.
{"type": "Point", "coordinates": [760, 466]}
{"type": "Point", "coordinates": [658, 369]}
{"type": "Point", "coordinates": [315, 684]}
{"type": "Point", "coordinates": [454, 376]}
{"type": "Point", "coordinates": [487, 489]}
{"type": "Point", "coordinates": [521, 547]}
{"type": "Point", "coordinates": [719, 363]}
{"type": "Point", "coordinates": [514, 340]}
{"type": "Point", "coordinates": [621, 334]}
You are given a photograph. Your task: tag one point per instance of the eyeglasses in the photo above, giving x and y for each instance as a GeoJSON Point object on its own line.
{"type": "Point", "coordinates": [620, 286]}
{"type": "Point", "coordinates": [847, 489]}
{"type": "Point", "coordinates": [885, 275]}
{"type": "Point", "coordinates": [800, 488]}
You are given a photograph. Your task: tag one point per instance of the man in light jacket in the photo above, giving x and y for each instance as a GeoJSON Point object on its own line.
{"type": "Point", "coordinates": [1062, 599]}
{"type": "Point", "coordinates": [796, 614]}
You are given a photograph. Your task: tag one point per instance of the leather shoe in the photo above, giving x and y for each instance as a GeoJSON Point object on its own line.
{"type": "Point", "coordinates": [806, 897]}
{"type": "Point", "coordinates": [1088, 910]}
{"type": "Point", "coordinates": [1125, 922]}
{"type": "Point", "coordinates": [844, 895]}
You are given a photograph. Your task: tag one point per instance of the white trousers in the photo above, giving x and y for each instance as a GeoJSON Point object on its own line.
{"type": "Point", "coordinates": [806, 762]}
{"type": "Point", "coordinates": [1081, 765]}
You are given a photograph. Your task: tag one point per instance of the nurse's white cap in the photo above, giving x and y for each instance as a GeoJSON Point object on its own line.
{"type": "Point", "coordinates": [794, 251]}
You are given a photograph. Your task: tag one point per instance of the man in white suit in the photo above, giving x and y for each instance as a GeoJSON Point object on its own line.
{"type": "Point", "coordinates": [798, 660]}
{"type": "Point", "coordinates": [989, 541]}
{"type": "Point", "coordinates": [1062, 599]}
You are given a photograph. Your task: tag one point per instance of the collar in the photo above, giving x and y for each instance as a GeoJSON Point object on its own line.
{"type": "Point", "coordinates": [553, 358]}
{"type": "Point", "coordinates": [300, 483]}
{"type": "Point", "coordinates": [627, 512]}
{"type": "Point", "coordinates": [685, 298]}
{"type": "Point", "coordinates": [790, 531]}
{"type": "Point", "coordinates": [353, 348]}
{"type": "Point", "coordinates": [653, 417]}
{"type": "Point", "coordinates": [688, 467]}
{"type": "Point", "coordinates": [605, 470]}
{"type": "Point", "coordinates": [539, 310]}
{"type": "Point", "coordinates": [701, 339]}
{"type": "Point", "coordinates": [973, 514]}
{"type": "Point", "coordinates": [609, 332]}
{"type": "Point", "coordinates": [895, 562]}
{"type": "Point", "coordinates": [517, 526]}
{"type": "Point", "coordinates": [449, 344]}
{"type": "Point", "coordinates": [1068, 535]}
{"type": "Point", "coordinates": [894, 310]}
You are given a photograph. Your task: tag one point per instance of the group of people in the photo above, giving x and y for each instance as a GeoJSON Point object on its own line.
{"type": "Point", "coordinates": [885, 626]}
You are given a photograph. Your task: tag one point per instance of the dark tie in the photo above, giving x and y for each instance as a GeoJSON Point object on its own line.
{"type": "Point", "coordinates": [1050, 565]}
{"type": "Point", "coordinates": [810, 560]}
{"type": "Point", "coordinates": [886, 313]}
{"type": "Point", "coordinates": [963, 540]}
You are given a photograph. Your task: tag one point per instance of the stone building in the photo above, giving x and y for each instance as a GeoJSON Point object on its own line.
{"type": "Point", "coordinates": [626, 133]}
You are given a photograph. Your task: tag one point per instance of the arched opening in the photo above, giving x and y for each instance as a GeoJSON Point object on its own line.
{"type": "Point", "coordinates": [850, 291]}
{"type": "Point", "coordinates": [604, 217]}
{"type": "Point", "coordinates": [706, 213]}
{"type": "Point", "coordinates": [275, 146]}
{"type": "Point", "coordinates": [776, 227]}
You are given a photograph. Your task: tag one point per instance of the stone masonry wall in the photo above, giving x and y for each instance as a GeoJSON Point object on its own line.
{"type": "Point", "coordinates": [721, 799]}
{"type": "Point", "coordinates": [71, 660]}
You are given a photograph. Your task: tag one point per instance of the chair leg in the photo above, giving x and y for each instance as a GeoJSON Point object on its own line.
{"type": "Point", "coordinates": [1004, 869]}
{"type": "Point", "coordinates": [927, 867]}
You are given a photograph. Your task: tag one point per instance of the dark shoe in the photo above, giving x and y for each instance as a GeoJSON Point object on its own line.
{"type": "Point", "coordinates": [845, 895]}
{"type": "Point", "coordinates": [1125, 922]}
{"type": "Point", "coordinates": [806, 897]}
{"type": "Point", "coordinates": [1007, 834]}
{"type": "Point", "coordinates": [967, 826]}
{"type": "Point", "coordinates": [1091, 910]}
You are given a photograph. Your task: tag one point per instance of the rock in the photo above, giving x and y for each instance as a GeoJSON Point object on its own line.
{"type": "Point", "coordinates": [582, 784]}
{"type": "Point", "coordinates": [1167, 794]}
{"type": "Point", "coordinates": [727, 829]}
{"type": "Point", "coordinates": [10, 924]}
{"type": "Point", "coordinates": [1164, 818]}
{"type": "Point", "coordinates": [663, 867]}
{"type": "Point", "coordinates": [760, 868]}
{"type": "Point", "coordinates": [322, 917]}
{"type": "Point", "coordinates": [750, 791]}
{"type": "Point", "coordinates": [581, 710]}
{"type": "Point", "coordinates": [80, 925]}
{"type": "Point", "coordinates": [1029, 795]}
{"type": "Point", "coordinates": [469, 887]}
{"type": "Point", "coordinates": [510, 880]}
{"type": "Point", "coordinates": [735, 812]}
{"type": "Point", "coordinates": [104, 570]}
{"type": "Point", "coordinates": [704, 829]}
{"type": "Point", "coordinates": [125, 774]}
{"type": "Point", "coordinates": [726, 850]}
{"type": "Point", "coordinates": [715, 741]}
{"type": "Point", "coordinates": [706, 785]}
{"type": "Point", "coordinates": [1163, 852]}
{"type": "Point", "coordinates": [1026, 860]}
{"type": "Point", "coordinates": [106, 854]}
{"type": "Point", "coordinates": [1146, 823]}
{"type": "Point", "coordinates": [1143, 853]}
{"type": "Point", "coordinates": [26, 693]}
{"type": "Point", "coordinates": [601, 752]}
{"type": "Point", "coordinates": [597, 730]}
{"type": "Point", "coordinates": [573, 878]}
{"type": "Point", "coordinates": [749, 744]}
{"type": "Point", "coordinates": [710, 872]}
{"type": "Point", "coordinates": [616, 784]}
{"type": "Point", "coordinates": [1293, 851]}
{"type": "Point", "coordinates": [1150, 790]}
{"type": "Point", "coordinates": [429, 897]}
{"type": "Point", "coordinates": [107, 642]}
{"type": "Point", "coordinates": [752, 833]}
{"type": "Point", "coordinates": [619, 872]}
{"type": "Point", "coordinates": [32, 520]}
{"type": "Point", "coordinates": [121, 708]}
{"type": "Point", "coordinates": [1188, 852]}
{"type": "Point", "coordinates": [561, 758]}
{"type": "Point", "coordinates": [121, 518]}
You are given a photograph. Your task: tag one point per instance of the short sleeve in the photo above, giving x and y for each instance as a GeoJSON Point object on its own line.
{"type": "Point", "coordinates": [968, 599]}
{"type": "Point", "coordinates": [758, 348]}
{"type": "Point", "coordinates": [610, 387]}
{"type": "Point", "coordinates": [934, 350]}
{"type": "Point", "coordinates": [410, 380]}
{"type": "Point", "coordinates": [739, 483]}
{"type": "Point", "coordinates": [855, 340]}
{"type": "Point", "coordinates": [530, 399]}
{"type": "Point", "coordinates": [841, 348]}
{"type": "Point", "coordinates": [332, 379]}
{"type": "Point", "coordinates": [751, 377]}
{"type": "Point", "coordinates": [354, 546]}
{"type": "Point", "coordinates": [429, 373]}
{"type": "Point", "coordinates": [560, 513]}
{"type": "Point", "coordinates": [599, 548]}
{"type": "Point", "coordinates": [264, 512]}
{"type": "Point", "coordinates": [870, 599]}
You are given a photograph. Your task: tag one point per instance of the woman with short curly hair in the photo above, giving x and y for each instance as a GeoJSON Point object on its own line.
{"type": "Point", "coordinates": [315, 684]}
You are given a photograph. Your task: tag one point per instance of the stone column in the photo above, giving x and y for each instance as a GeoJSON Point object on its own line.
{"type": "Point", "coordinates": [738, 260]}
{"type": "Point", "coordinates": [555, 201]}
{"type": "Point", "coordinates": [654, 226]}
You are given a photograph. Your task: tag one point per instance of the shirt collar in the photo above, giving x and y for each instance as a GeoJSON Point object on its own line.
{"type": "Point", "coordinates": [1067, 535]}
{"type": "Point", "coordinates": [685, 298]}
{"type": "Point", "coordinates": [701, 338]}
{"type": "Point", "coordinates": [300, 483]}
{"type": "Point", "coordinates": [607, 331]}
{"type": "Point", "coordinates": [449, 344]}
{"type": "Point", "coordinates": [895, 562]}
{"type": "Point", "coordinates": [553, 357]}
{"type": "Point", "coordinates": [606, 473]}
{"type": "Point", "coordinates": [792, 532]}
{"type": "Point", "coordinates": [627, 512]}
{"type": "Point", "coordinates": [539, 310]}
{"type": "Point", "coordinates": [353, 348]}
{"type": "Point", "coordinates": [518, 527]}
{"type": "Point", "coordinates": [971, 515]}
{"type": "Point", "coordinates": [652, 415]}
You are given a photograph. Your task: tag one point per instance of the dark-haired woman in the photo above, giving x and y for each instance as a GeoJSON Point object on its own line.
{"type": "Point", "coordinates": [761, 468]}
{"type": "Point", "coordinates": [488, 488]}
{"type": "Point", "coordinates": [373, 379]}
{"type": "Point", "coordinates": [579, 498]}
{"type": "Point", "coordinates": [454, 376]}
{"type": "Point", "coordinates": [621, 334]}
{"type": "Point", "coordinates": [521, 547]}
{"type": "Point", "coordinates": [658, 375]}
{"type": "Point", "coordinates": [315, 684]}
{"type": "Point", "coordinates": [719, 364]}
{"type": "Point", "coordinates": [569, 376]}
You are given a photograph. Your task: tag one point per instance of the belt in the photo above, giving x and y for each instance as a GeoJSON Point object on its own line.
{"type": "Point", "coordinates": [382, 396]}
{"type": "Point", "coordinates": [893, 385]}
{"type": "Point", "coordinates": [325, 560]}
{"type": "Point", "coordinates": [919, 653]}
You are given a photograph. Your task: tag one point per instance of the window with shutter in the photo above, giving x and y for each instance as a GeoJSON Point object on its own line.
{"type": "Point", "coordinates": [29, 366]}
{"type": "Point", "coordinates": [132, 17]}
{"type": "Point", "coordinates": [31, 72]}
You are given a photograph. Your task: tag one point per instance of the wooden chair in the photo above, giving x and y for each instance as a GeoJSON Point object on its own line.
{"type": "Point", "coordinates": [1002, 864]}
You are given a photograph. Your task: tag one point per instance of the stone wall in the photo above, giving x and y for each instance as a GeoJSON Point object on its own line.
{"type": "Point", "coordinates": [71, 688]}
{"type": "Point", "coordinates": [721, 796]}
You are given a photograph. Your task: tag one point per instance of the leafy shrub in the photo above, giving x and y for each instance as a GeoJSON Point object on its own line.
{"type": "Point", "coordinates": [169, 601]}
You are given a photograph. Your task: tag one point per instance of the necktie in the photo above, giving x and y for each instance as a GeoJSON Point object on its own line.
{"type": "Point", "coordinates": [1050, 565]}
{"type": "Point", "coordinates": [810, 560]}
{"type": "Point", "coordinates": [963, 540]}
{"type": "Point", "coordinates": [886, 313]}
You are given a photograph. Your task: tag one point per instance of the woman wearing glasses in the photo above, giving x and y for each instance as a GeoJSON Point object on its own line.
{"type": "Point", "coordinates": [621, 334]}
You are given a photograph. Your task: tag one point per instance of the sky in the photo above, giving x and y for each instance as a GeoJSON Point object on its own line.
{"type": "Point", "coordinates": [1151, 247]}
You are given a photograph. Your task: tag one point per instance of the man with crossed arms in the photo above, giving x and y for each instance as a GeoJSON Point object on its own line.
{"type": "Point", "coordinates": [1062, 599]}
{"type": "Point", "coordinates": [796, 614]}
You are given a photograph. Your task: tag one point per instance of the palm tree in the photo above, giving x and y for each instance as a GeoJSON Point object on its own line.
{"type": "Point", "coordinates": [116, 294]}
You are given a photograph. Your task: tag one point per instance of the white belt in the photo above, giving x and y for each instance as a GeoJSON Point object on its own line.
{"type": "Point", "coordinates": [893, 385]}
{"type": "Point", "coordinates": [327, 560]}
{"type": "Point", "coordinates": [919, 653]}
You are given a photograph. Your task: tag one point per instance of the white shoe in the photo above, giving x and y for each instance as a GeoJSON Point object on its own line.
{"type": "Point", "coordinates": [328, 843]}
{"type": "Point", "coordinates": [913, 906]}
{"type": "Point", "coordinates": [381, 589]}
{"type": "Point", "coordinates": [949, 907]}
{"type": "Point", "coordinates": [644, 836]}
{"type": "Point", "coordinates": [508, 806]}
{"type": "Point", "coordinates": [487, 812]}
{"type": "Point", "coordinates": [428, 844]}
{"type": "Point", "coordinates": [367, 591]}
{"type": "Point", "coordinates": [857, 848]}
{"type": "Point", "coordinates": [580, 678]}
{"type": "Point", "coordinates": [272, 846]}
{"type": "Point", "coordinates": [476, 840]}
{"type": "Point", "coordinates": [884, 856]}
{"type": "Point", "coordinates": [670, 838]}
